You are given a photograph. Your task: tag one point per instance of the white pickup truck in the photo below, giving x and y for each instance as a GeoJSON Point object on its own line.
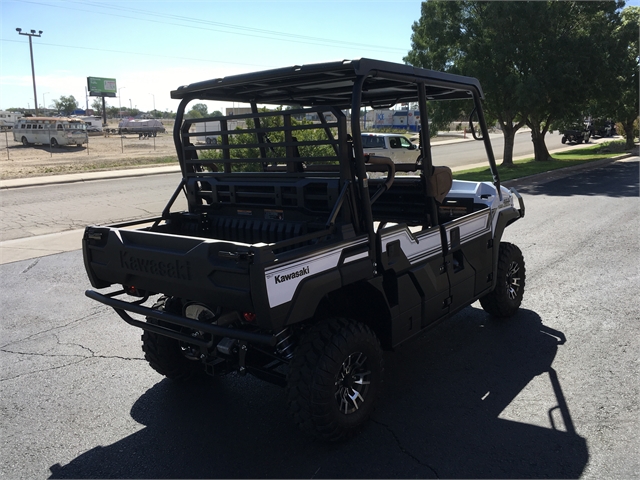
{"type": "Point", "coordinates": [395, 146]}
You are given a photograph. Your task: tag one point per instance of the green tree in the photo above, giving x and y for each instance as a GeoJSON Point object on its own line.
{"type": "Point", "coordinates": [97, 106]}
{"type": "Point", "coordinates": [193, 114]}
{"type": "Point", "coordinates": [113, 112]}
{"type": "Point", "coordinates": [199, 110]}
{"type": "Point", "coordinates": [66, 105]}
{"type": "Point", "coordinates": [535, 60]}
{"type": "Point", "coordinates": [626, 82]}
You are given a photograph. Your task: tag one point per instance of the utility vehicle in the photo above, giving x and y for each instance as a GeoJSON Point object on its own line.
{"type": "Point", "coordinates": [300, 259]}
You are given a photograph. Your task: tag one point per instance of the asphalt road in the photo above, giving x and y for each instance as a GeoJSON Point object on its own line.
{"type": "Point", "coordinates": [46, 209]}
{"type": "Point", "coordinates": [468, 153]}
{"type": "Point", "coordinates": [552, 392]}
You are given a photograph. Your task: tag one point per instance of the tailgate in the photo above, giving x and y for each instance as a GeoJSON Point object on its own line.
{"type": "Point", "coordinates": [193, 268]}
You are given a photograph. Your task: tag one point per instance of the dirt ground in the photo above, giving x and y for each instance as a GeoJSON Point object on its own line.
{"type": "Point", "coordinates": [101, 153]}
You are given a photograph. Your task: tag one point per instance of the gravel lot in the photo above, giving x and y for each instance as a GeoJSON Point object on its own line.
{"type": "Point", "coordinates": [101, 153]}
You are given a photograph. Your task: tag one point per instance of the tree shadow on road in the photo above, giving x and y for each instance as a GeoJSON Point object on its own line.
{"type": "Point", "coordinates": [438, 418]}
{"type": "Point", "coordinates": [622, 179]}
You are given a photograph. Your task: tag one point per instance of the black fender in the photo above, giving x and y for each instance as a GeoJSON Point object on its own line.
{"type": "Point", "coordinates": [505, 218]}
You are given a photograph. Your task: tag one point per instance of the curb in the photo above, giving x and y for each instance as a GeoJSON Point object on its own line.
{"type": "Point", "coordinates": [87, 177]}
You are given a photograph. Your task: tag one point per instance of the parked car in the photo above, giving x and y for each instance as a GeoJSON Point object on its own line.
{"type": "Point", "coordinates": [393, 145]}
{"type": "Point", "coordinates": [576, 134]}
{"type": "Point", "coordinates": [599, 128]}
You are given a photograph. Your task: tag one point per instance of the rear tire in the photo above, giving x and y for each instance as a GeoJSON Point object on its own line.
{"type": "Point", "coordinates": [24, 141]}
{"type": "Point", "coordinates": [505, 299]}
{"type": "Point", "coordinates": [54, 143]}
{"type": "Point", "coordinates": [335, 378]}
{"type": "Point", "coordinates": [164, 354]}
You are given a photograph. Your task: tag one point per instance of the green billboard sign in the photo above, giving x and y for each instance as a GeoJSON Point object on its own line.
{"type": "Point", "coordinates": [102, 87]}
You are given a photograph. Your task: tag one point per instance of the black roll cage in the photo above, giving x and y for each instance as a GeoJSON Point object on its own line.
{"type": "Point", "coordinates": [344, 85]}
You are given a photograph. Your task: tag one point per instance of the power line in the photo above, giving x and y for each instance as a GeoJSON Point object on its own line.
{"type": "Point", "coordinates": [238, 27]}
{"type": "Point", "coordinates": [245, 31]}
{"type": "Point", "coordinates": [143, 54]}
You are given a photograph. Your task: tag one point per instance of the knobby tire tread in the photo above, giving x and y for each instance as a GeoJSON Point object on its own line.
{"type": "Point", "coordinates": [310, 388]}
{"type": "Point", "coordinates": [163, 355]}
{"type": "Point", "coordinates": [496, 302]}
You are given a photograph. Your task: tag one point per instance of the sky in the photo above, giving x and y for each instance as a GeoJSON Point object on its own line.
{"type": "Point", "coordinates": [154, 46]}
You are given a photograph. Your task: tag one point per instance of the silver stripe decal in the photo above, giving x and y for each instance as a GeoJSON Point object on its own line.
{"type": "Point", "coordinates": [356, 257]}
{"type": "Point", "coordinates": [282, 280]}
{"type": "Point", "coordinates": [470, 228]}
{"type": "Point", "coordinates": [416, 248]}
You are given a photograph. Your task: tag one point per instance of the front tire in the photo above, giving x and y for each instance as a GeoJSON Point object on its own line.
{"type": "Point", "coordinates": [505, 299]}
{"type": "Point", "coordinates": [335, 378]}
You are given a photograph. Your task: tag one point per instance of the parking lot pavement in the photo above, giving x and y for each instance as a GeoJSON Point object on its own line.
{"type": "Point", "coordinates": [551, 393]}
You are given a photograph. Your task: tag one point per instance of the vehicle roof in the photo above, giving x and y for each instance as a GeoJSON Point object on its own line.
{"type": "Point", "coordinates": [57, 119]}
{"type": "Point", "coordinates": [332, 83]}
{"type": "Point", "coordinates": [384, 134]}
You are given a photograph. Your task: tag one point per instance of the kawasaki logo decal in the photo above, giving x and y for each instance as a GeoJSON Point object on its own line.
{"type": "Point", "coordinates": [178, 269]}
{"type": "Point", "coordinates": [283, 281]}
{"type": "Point", "coordinates": [290, 276]}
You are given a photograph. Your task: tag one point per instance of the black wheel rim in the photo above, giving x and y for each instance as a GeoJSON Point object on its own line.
{"type": "Point", "coordinates": [352, 383]}
{"type": "Point", "coordinates": [513, 280]}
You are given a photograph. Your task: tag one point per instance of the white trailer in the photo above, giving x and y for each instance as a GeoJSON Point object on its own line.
{"type": "Point", "coordinates": [94, 124]}
{"type": "Point", "coordinates": [204, 127]}
{"type": "Point", "coordinates": [9, 119]}
{"type": "Point", "coordinates": [146, 128]}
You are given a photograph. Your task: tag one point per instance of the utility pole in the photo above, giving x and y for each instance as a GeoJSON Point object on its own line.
{"type": "Point", "coordinates": [154, 103]}
{"type": "Point", "coordinates": [33, 70]}
{"type": "Point", "coordinates": [120, 102]}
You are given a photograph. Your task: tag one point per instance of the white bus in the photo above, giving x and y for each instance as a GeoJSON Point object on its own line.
{"type": "Point", "coordinates": [52, 131]}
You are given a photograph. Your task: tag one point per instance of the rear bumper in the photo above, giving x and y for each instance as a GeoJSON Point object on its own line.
{"type": "Point", "coordinates": [123, 309]}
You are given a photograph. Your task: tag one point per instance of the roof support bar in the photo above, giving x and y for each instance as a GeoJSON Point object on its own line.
{"type": "Point", "coordinates": [425, 147]}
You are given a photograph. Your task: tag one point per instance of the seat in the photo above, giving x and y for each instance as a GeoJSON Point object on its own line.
{"type": "Point", "coordinates": [439, 183]}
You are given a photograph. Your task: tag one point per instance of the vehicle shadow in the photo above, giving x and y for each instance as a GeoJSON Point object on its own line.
{"type": "Point", "coordinates": [438, 418]}
{"type": "Point", "coordinates": [621, 180]}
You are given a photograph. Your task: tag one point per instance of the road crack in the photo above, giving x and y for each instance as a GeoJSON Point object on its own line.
{"type": "Point", "coordinates": [404, 450]}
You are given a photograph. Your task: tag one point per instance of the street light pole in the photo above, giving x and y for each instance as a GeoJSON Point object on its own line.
{"type": "Point", "coordinates": [33, 70]}
{"type": "Point", "coordinates": [120, 102]}
{"type": "Point", "coordinates": [44, 103]}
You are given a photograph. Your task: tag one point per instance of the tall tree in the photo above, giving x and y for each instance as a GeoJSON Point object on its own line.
{"type": "Point", "coordinates": [201, 108]}
{"type": "Point", "coordinates": [97, 106]}
{"type": "Point", "coordinates": [66, 105]}
{"type": "Point", "coordinates": [626, 82]}
{"type": "Point", "coordinates": [534, 60]}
